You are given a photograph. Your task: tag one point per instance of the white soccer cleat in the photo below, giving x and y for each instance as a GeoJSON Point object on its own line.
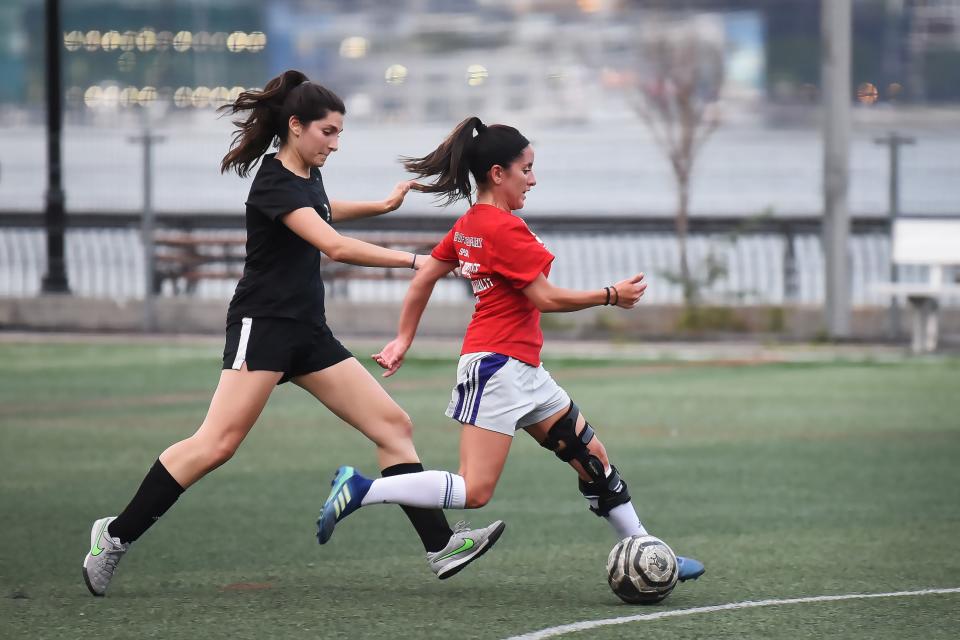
{"type": "Point", "coordinates": [465, 546]}
{"type": "Point", "coordinates": [103, 557]}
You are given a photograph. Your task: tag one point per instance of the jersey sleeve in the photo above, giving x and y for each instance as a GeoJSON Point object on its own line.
{"type": "Point", "coordinates": [275, 197]}
{"type": "Point", "coordinates": [445, 251]}
{"type": "Point", "coordinates": [519, 256]}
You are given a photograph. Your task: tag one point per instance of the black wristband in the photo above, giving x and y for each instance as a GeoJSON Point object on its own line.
{"type": "Point", "coordinates": [413, 264]}
{"type": "Point", "coordinates": [607, 302]}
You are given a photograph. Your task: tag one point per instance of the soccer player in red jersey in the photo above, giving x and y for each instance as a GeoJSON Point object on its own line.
{"type": "Point", "coordinates": [501, 383]}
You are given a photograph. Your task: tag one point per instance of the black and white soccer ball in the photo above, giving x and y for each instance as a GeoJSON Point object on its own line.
{"type": "Point", "coordinates": [642, 570]}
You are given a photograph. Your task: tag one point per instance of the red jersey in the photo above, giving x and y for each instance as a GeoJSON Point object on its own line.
{"type": "Point", "coordinates": [500, 256]}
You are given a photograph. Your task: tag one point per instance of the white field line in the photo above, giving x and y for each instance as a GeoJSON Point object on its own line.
{"type": "Point", "coordinates": [551, 632]}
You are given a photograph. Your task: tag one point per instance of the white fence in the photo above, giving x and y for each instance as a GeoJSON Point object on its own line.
{"type": "Point", "coordinates": [760, 268]}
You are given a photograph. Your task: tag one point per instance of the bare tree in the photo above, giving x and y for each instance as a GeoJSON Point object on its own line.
{"type": "Point", "coordinates": [678, 97]}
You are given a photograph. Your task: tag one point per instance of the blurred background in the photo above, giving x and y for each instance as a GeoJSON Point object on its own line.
{"type": "Point", "coordinates": [688, 139]}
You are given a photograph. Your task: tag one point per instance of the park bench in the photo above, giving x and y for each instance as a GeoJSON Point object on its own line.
{"type": "Point", "coordinates": [934, 243]}
{"type": "Point", "coordinates": [187, 258]}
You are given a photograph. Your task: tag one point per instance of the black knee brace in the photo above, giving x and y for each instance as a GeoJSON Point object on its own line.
{"type": "Point", "coordinates": [602, 492]}
{"type": "Point", "coordinates": [563, 440]}
{"type": "Point", "coordinates": [604, 495]}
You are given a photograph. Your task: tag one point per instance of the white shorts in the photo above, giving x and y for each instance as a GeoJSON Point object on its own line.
{"type": "Point", "coordinates": [503, 394]}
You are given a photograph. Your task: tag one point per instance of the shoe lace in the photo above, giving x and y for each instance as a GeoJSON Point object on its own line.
{"type": "Point", "coordinates": [461, 527]}
{"type": "Point", "coordinates": [112, 555]}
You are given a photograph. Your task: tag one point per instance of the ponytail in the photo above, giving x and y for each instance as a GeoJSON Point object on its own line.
{"type": "Point", "coordinates": [472, 147]}
{"type": "Point", "coordinates": [289, 94]}
{"type": "Point", "coordinates": [449, 163]}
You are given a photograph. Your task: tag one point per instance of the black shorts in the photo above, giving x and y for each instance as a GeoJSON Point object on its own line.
{"type": "Point", "coordinates": [280, 344]}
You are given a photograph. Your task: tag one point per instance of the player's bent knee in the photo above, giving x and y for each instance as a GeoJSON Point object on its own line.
{"type": "Point", "coordinates": [396, 445]}
{"type": "Point", "coordinates": [220, 452]}
{"type": "Point", "coordinates": [214, 452]}
{"type": "Point", "coordinates": [403, 426]}
{"type": "Point", "coordinates": [568, 445]}
{"type": "Point", "coordinates": [391, 431]}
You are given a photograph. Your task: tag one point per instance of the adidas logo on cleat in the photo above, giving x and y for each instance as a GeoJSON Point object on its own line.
{"type": "Point", "coordinates": [340, 503]}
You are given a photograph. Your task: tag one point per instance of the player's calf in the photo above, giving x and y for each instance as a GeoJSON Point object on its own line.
{"type": "Point", "coordinates": [605, 489]}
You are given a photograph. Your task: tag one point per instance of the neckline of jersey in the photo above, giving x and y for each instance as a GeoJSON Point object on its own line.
{"type": "Point", "coordinates": [474, 208]}
{"type": "Point", "coordinates": [273, 156]}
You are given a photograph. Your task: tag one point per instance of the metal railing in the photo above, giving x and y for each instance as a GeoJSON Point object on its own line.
{"type": "Point", "coordinates": [764, 261]}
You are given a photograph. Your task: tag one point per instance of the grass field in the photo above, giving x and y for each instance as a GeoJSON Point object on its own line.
{"type": "Point", "coordinates": [787, 480]}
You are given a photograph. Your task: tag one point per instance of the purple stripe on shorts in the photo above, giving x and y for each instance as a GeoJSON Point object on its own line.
{"type": "Point", "coordinates": [489, 365]}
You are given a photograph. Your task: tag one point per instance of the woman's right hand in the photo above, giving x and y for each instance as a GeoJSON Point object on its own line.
{"type": "Point", "coordinates": [391, 356]}
{"type": "Point", "coordinates": [629, 291]}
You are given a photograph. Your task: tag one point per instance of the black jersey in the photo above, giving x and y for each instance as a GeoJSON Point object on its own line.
{"type": "Point", "coordinates": [281, 275]}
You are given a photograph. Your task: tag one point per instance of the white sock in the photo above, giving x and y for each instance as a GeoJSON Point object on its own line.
{"type": "Point", "coordinates": [425, 489]}
{"type": "Point", "coordinates": [625, 522]}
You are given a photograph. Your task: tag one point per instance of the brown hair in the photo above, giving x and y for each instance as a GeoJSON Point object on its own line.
{"type": "Point", "coordinates": [289, 94]}
{"type": "Point", "coordinates": [463, 153]}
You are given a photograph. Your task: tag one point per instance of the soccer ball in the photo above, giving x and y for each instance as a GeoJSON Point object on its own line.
{"type": "Point", "coordinates": [642, 570]}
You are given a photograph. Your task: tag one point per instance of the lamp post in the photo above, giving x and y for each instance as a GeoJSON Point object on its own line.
{"type": "Point", "coordinates": [835, 29]}
{"type": "Point", "coordinates": [894, 140]}
{"type": "Point", "coordinates": [55, 279]}
{"type": "Point", "coordinates": [147, 224]}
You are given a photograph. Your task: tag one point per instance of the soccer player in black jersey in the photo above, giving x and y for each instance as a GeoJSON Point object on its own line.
{"type": "Point", "coordinates": [276, 328]}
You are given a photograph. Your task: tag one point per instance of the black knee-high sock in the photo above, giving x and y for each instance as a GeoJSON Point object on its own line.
{"type": "Point", "coordinates": [156, 494]}
{"type": "Point", "coordinates": [431, 524]}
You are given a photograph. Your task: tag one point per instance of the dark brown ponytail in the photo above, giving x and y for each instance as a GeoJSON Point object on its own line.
{"type": "Point", "coordinates": [463, 153]}
{"type": "Point", "coordinates": [289, 94]}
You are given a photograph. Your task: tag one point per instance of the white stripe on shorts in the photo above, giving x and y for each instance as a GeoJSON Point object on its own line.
{"type": "Point", "coordinates": [247, 323]}
{"type": "Point", "coordinates": [466, 394]}
{"type": "Point", "coordinates": [471, 389]}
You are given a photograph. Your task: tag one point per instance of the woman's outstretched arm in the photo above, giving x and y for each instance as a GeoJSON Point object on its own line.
{"type": "Point", "coordinates": [414, 303]}
{"type": "Point", "coordinates": [307, 224]}
{"type": "Point", "coordinates": [351, 210]}
{"type": "Point", "coordinates": [549, 298]}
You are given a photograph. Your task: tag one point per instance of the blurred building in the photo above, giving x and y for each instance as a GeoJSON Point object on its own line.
{"type": "Point", "coordinates": [433, 60]}
{"type": "Point", "coordinates": [542, 65]}
{"type": "Point", "coordinates": [123, 44]}
{"type": "Point", "coordinates": [557, 67]}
